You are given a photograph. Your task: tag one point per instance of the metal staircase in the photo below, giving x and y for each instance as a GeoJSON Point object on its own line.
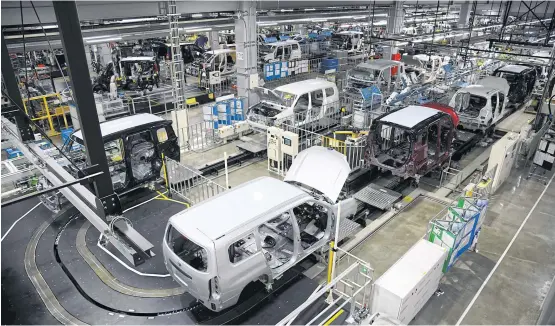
{"type": "Point", "coordinates": [177, 69]}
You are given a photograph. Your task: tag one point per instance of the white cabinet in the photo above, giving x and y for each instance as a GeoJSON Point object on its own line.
{"type": "Point", "coordinates": [407, 285]}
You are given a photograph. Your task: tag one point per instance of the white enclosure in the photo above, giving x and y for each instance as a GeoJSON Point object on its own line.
{"type": "Point", "coordinates": [407, 285]}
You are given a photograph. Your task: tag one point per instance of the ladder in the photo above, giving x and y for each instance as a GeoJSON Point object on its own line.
{"type": "Point", "coordinates": [177, 70]}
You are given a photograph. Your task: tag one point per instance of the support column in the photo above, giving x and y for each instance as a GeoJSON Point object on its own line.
{"type": "Point", "coordinates": [395, 19]}
{"type": "Point", "coordinates": [74, 51]}
{"type": "Point", "coordinates": [8, 75]}
{"type": "Point", "coordinates": [247, 56]}
{"type": "Point", "coordinates": [301, 29]}
{"type": "Point", "coordinates": [214, 40]}
{"type": "Point", "coordinates": [105, 53]}
{"type": "Point", "coordinates": [464, 15]}
{"type": "Point", "coordinates": [395, 24]}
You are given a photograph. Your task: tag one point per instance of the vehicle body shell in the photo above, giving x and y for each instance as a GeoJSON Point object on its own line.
{"type": "Point", "coordinates": [141, 138]}
{"type": "Point", "coordinates": [265, 225]}
{"type": "Point", "coordinates": [215, 60]}
{"type": "Point", "coordinates": [410, 142]}
{"type": "Point", "coordinates": [280, 51]}
{"type": "Point", "coordinates": [482, 105]}
{"type": "Point", "coordinates": [521, 78]}
{"type": "Point", "coordinates": [298, 104]}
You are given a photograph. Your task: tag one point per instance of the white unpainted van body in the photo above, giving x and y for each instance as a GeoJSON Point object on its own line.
{"type": "Point", "coordinates": [297, 104]}
{"type": "Point", "coordinates": [256, 231]}
{"type": "Point", "coordinates": [482, 105]}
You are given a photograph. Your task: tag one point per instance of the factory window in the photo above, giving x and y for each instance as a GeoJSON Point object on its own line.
{"type": "Point", "coordinates": [330, 92]}
{"type": "Point", "coordinates": [188, 251]}
{"type": "Point", "coordinates": [162, 135]}
{"type": "Point", "coordinates": [242, 249]}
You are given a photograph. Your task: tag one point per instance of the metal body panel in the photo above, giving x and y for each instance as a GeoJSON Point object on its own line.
{"type": "Point", "coordinates": [322, 169]}
{"type": "Point", "coordinates": [258, 211]}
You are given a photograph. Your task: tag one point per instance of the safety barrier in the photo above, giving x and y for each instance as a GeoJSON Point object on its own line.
{"type": "Point", "coordinates": [156, 102]}
{"type": "Point", "coordinates": [49, 111]}
{"type": "Point", "coordinates": [352, 287]}
{"type": "Point", "coordinates": [201, 136]}
{"type": "Point", "coordinates": [353, 149]}
{"type": "Point", "coordinates": [189, 184]}
{"type": "Point", "coordinates": [284, 72]}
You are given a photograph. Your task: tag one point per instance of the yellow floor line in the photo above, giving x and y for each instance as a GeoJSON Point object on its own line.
{"type": "Point", "coordinates": [164, 197]}
{"type": "Point", "coordinates": [334, 317]}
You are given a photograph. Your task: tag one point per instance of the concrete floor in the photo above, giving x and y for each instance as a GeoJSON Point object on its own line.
{"type": "Point", "coordinates": [516, 121]}
{"type": "Point", "coordinates": [390, 242]}
{"type": "Point", "coordinates": [516, 290]}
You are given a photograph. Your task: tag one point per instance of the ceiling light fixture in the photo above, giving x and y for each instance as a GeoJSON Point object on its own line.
{"type": "Point", "coordinates": [205, 29]}
{"type": "Point", "coordinates": [102, 40]}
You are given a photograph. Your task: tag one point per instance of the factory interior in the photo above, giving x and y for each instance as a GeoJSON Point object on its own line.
{"type": "Point", "coordinates": [350, 162]}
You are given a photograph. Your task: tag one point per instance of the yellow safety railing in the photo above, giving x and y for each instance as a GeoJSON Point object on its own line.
{"type": "Point", "coordinates": [49, 110]}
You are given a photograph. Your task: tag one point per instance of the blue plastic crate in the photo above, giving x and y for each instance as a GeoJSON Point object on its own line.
{"type": "Point", "coordinates": [13, 152]}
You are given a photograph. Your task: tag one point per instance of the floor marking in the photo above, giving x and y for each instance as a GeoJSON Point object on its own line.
{"type": "Point", "coordinates": [504, 253]}
{"type": "Point", "coordinates": [334, 317]}
{"type": "Point", "coordinates": [140, 204]}
{"type": "Point", "coordinates": [19, 219]}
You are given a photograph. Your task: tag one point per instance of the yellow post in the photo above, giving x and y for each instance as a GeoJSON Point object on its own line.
{"type": "Point", "coordinates": [165, 171]}
{"type": "Point", "coordinates": [25, 106]}
{"type": "Point", "coordinates": [330, 260]}
{"type": "Point", "coordinates": [63, 108]}
{"type": "Point", "coordinates": [52, 131]}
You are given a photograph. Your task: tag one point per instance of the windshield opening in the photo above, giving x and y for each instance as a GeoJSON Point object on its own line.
{"type": "Point", "coordinates": [363, 76]}
{"type": "Point", "coordinates": [287, 98]}
{"type": "Point", "coordinates": [188, 251]}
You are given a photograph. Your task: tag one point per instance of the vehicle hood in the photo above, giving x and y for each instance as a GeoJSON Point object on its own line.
{"type": "Point", "coordinates": [322, 169]}
{"type": "Point", "coordinates": [284, 114]}
{"type": "Point", "coordinates": [496, 82]}
{"type": "Point", "coordinates": [268, 95]}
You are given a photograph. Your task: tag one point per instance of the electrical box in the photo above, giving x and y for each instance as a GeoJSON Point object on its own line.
{"type": "Point", "coordinates": [273, 142]}
{"type": "Point", "coordinates": [289, 148]}
{"type": "Point", "coordinates": [253, 80]}
{"type": "Point", "coordinates": [407, 285]}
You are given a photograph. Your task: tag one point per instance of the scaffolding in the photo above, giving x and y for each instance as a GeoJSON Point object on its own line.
{"type": "Point", "coordinates": [176, 67]}
{"type": "Point", "coordinates": [50, 108]}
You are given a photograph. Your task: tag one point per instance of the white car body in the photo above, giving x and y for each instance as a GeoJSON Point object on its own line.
{"type": "Point", "coordinates": [298, 104]}
{"type": "Point", "coordinates": [353, 45]}
{"type": "Point", "coordinates": [219, 60]}
{"type": "Point", "coordinates": [269, 226]}
{"type": "Point", "coordinates": [482, 105]}
{"type": "Point", "coordinates": [282, 51]}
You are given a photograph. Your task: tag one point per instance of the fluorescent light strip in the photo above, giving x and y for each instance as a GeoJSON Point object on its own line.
{"type": "Point", "coordinates": [206, 29]}
{"type": "Point", "coordinates": [96, 37]}
{"type": "Point", "coordinates": [104, 40]}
